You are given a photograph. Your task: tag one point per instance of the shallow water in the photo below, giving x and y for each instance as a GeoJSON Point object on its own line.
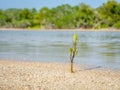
{"type": "Point", "coordinates": [94, 48]}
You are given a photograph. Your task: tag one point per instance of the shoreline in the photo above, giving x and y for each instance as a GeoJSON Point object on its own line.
{"type": "Point", "coordinates": [38, 29]}
{"type": "Point", "coordinates": [20, 75]}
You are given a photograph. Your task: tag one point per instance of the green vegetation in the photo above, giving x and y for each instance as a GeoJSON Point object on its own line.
{"type": "Point", "coordinates": [73, 51]}
{"type": "Point", "coordinates": [63, 17]}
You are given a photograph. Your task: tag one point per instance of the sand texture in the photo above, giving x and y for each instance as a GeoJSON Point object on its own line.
{"type": "Point", "coordinates": [80, 29]}
{"type": "Point", "coordinates": [16, 75]}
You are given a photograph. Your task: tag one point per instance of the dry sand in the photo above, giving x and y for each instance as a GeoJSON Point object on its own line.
{"type": "Point", "coordinates": [80, 29]}
{"type": "Point", "coordinates": [16, 75]}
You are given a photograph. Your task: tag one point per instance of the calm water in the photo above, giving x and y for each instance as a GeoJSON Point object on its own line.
{"type": "Point", "coordinates": [94, 48]}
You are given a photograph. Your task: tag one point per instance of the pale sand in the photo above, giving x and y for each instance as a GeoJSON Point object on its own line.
{"type": "Point", "coordinates": [80, 29]}
{"type": "Point", "coordinates": [16, 75]}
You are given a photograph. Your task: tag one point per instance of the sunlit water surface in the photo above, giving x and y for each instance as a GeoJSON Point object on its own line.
{"type": "Point", "coordinates": [94, 48]}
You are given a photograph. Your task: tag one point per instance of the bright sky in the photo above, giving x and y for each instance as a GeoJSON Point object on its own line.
{"type": "Point", "coordinates": [5, 4]}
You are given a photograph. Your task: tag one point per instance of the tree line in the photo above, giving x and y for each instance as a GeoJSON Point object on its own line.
{"type": "Point", "coordinates": [63, 17]}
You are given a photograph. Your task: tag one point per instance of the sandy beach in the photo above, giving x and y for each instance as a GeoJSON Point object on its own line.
{"type": "Point", "coordinates": [81, 29]}
{"type": "Point", "coordinates": [18, 75]}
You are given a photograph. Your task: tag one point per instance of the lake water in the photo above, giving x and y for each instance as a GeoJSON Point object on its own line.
{"type": "Point", "coordinates": [94, 48]}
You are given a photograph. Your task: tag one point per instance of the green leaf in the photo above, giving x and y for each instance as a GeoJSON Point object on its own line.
{"type": "Point", "coordinates": [76, 53]}
{"type": "Point", "coordinates": [71, 50]}
{"type": "Point", "coordinates": [74, 49]}
{"type": "Point", "coordinates": [75, 38]}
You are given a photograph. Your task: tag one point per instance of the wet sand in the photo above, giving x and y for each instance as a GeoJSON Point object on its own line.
{"type": "Point", "coordinates": [18, 75]}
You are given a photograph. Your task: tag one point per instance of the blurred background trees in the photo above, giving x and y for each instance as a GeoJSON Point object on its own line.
{"type": "Point", "coordinates": [63, 17]}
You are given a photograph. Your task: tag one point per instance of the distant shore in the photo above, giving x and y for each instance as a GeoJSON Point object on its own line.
{"type": "Point", "coordinates": [19, 75]}
{"type": "Point", "coordinates": [39, 29]}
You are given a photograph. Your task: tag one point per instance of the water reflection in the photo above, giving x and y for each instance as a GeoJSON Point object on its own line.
{"type": "Point", "coordinates": [111, 52]}
{"type": "Point", "coordinates": [94, 48]}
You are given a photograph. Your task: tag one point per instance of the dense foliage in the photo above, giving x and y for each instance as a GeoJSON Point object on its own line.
{"type": "Point", "coordinates": [62, 17]}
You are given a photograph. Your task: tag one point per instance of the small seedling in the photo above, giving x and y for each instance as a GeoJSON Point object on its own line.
{"type": "Point", "coordinates": [73, 51]}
